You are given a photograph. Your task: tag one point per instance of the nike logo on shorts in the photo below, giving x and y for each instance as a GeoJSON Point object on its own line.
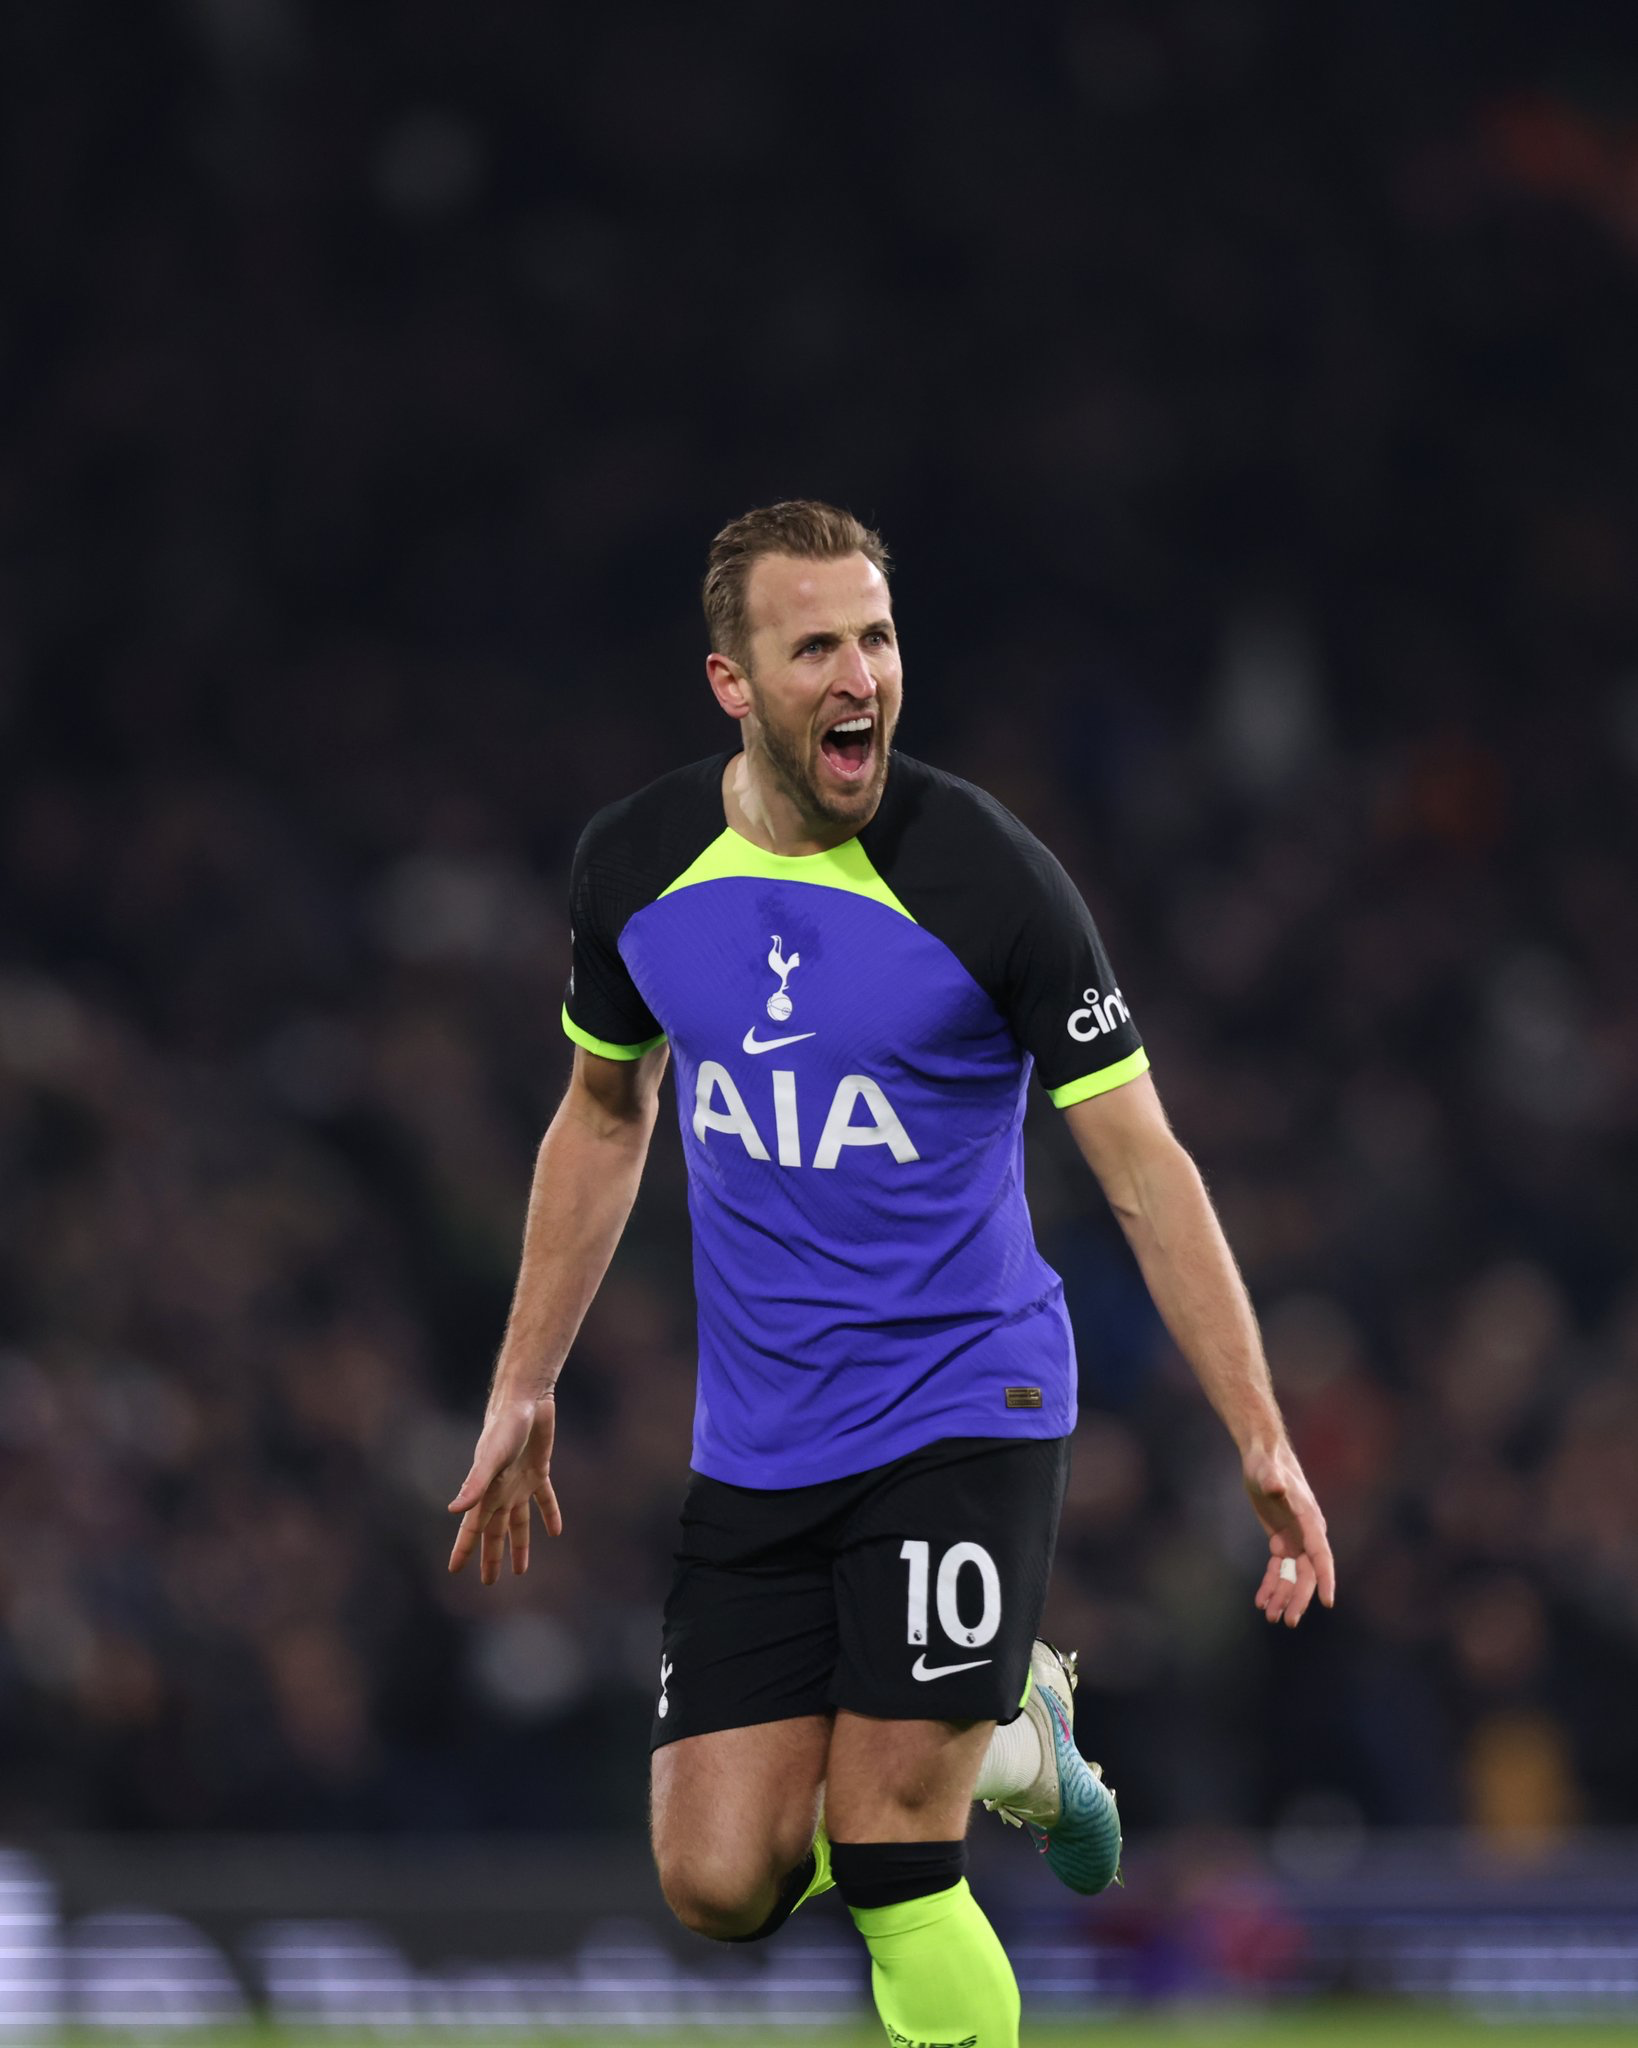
{"type": "Point", "coordinates": [751, 1043]}
{"type": "Point", "coordinates": [923, 1670]}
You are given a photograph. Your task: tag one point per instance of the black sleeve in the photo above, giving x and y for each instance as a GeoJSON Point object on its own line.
{"type": "Point", "coordinates": [627, 856]}
{"type": "Point", "coordinates": [1056, 987]}
{"type": "Point", "coordinates": [966, 869]}
{"type": "Point", "coordinates": [602, 1009]}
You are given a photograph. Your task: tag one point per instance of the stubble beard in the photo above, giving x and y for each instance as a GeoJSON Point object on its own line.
{"type": "Point", "coordinates": [790, 763]}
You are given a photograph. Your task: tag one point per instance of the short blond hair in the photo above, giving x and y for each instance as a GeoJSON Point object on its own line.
{"type": "Point", "coordinates": [803, 527]}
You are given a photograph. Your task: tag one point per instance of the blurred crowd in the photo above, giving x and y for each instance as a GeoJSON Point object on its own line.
{"type": "Point", "coordinates": [1247, 395]}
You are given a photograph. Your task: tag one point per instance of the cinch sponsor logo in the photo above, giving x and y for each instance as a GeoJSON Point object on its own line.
{"type": "Point", "coordinates": [1098, 1017]}
{"type": "Point", "coordinates": [719, 1106]}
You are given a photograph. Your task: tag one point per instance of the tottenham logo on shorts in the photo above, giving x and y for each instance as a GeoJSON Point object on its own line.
{"type": "Point", "coordinates": [1098, 1017]}
{"type": "Point", "coordinates": [779, 1003]}
{"type": "Point", "coordinates": [666, 1669]}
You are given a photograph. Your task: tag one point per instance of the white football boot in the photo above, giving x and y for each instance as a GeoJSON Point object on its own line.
{"type": "Point", "coordinates": [1069, 1811]}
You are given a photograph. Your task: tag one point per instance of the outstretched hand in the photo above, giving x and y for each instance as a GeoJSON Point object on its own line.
{"type": "Point", "coordinates": [511, 1466]}
{"type": "Point", "coordinates": [1287, 1509]}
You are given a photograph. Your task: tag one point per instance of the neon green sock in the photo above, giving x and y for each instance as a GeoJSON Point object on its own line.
{"type": "Point", "coordinates": [940, 1976]}
{"type": "Point", "coordinates": [821, 1880]}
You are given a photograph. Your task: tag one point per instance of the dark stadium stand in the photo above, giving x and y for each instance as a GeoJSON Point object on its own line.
{"type": "Point", "coordinates": [1250, 404]}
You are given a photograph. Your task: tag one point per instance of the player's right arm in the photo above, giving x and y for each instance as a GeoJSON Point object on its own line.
{"type": "Point", "coordinates": [585, 1182]}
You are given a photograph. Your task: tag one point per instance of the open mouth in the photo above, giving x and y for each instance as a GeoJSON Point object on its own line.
{"type": "Point", "coordinates": [848, 746]}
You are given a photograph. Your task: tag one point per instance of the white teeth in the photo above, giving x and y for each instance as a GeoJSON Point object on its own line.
{"type": "Point", "coordinates": [853, 725]}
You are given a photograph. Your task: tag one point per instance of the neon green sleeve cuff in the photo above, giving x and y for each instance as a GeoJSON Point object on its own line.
{"type": "Point", "coordinates": [1089, 1085]}
{"type": "Point", "coordinates": [602, 1047]}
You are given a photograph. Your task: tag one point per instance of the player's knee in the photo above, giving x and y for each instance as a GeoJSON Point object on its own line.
{"type": "Point", "coordinates": [717, 1898]}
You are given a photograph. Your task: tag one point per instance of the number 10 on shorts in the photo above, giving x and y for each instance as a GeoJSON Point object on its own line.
{"type": "Point", "coordinates": [971, 1636]}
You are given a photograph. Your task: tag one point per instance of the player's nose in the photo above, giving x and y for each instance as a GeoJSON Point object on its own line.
{"type": "Point", "coordinates": [855, 676]}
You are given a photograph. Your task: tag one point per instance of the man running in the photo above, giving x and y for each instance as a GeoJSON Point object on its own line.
{"type": "Point", "coordinates": [855, 960]}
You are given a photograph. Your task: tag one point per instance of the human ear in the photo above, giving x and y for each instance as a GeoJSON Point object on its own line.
{"type": "Point", "coordinates": [728, 686]}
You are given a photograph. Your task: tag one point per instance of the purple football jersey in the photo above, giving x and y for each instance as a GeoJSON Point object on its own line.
{"type": "Point", "coordinates": [852, 1034]}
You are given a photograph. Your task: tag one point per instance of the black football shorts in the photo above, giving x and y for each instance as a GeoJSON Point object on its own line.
{"type": "Point", "coordinates": [910, 1592]}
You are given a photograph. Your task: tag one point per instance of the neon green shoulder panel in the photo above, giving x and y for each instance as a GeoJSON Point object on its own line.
{"type": "Point", "coordinates": [731, 856]}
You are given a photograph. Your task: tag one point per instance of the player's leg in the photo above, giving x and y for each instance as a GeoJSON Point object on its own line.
{"type": "Point", "coordinates": [743, 1717]}
{"type": "Point", "coordinates": [734, 1817]}
{"type": "Point", "coordinates": [897, 1802]}
{"type": "Point", "coordinates": [901, 1781]}
{"type": "Point", "coordinates": [940, 1587]}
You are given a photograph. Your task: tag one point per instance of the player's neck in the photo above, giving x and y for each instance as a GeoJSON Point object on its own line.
{"type": "Point", "coordinates": [762, 811]}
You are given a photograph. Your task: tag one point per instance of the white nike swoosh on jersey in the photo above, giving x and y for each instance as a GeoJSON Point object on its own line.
{"type": "Point", "coordinates": [751, 1043]}
{"type": "Point", "coordinates": [922, 1669]}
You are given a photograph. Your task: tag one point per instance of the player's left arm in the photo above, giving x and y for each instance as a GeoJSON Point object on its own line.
{"type": "Point", "coordinates": [1161, 1203]}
